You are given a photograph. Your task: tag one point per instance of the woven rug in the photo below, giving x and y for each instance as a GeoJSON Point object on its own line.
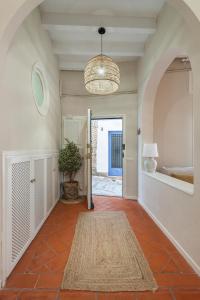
{"type": "Point", "coordinates": [106, 256]}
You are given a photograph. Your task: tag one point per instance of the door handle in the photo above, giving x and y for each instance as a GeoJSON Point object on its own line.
{"type": "Point", "coordinates": [33, 180]}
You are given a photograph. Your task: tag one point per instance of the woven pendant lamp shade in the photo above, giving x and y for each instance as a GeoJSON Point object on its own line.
{"type": "Point", "coordinates": [102, 76]}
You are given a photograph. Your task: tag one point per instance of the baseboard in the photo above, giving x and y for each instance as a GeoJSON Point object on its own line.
{"type": "Point", "coordinates": [131, 197]}
{"type": "Point", "coordinates": [180, 249]}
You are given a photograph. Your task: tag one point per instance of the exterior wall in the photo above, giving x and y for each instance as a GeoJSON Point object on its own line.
{"type": "Point", "coordinates": [94, 146]}
{"type": "Point", "coordinates": [182, 217]}
{"type": "Point", "coordinates": [75, 102]}
{"type": "Point", "coordinates": [104, 126]}
{"type": "Point", "coordinates": [173, 120]}
{"type": "Point", "coordinates": [21, 125]}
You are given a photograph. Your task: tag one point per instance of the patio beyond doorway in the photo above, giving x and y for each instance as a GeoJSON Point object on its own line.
{"type": "Point", "coordinates": [107, 157]}
{"type": "Point", "coordinates": [108, 186]}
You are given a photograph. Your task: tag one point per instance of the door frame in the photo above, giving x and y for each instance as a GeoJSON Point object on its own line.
{"type": "Point", "coordinates": [123, 118]}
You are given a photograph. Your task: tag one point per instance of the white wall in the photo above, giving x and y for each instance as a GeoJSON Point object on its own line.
{"type": "Point", "coordinates": [21, 125]}
{"type": "Point", "coordinates": [113, 105]}
{"type": "Point", "coordinates": [168, 206]}
{"type": "Point", "coordinates": [104, 126]}
{"type": "Point", "coordinates": [73, 81]}
{"type": "Point", "coordinates": [182, 216]}
{"type": "Point", "coordinates": [173, 120]}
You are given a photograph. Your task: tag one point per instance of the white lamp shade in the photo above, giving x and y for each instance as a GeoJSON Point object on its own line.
{"type": "Point", "coordinates": [150, 150]}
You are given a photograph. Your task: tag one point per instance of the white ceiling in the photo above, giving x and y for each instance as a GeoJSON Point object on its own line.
{"type": "Point", "coordinates": [73, 25]}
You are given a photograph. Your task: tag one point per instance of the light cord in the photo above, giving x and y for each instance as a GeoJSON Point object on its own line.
{"type": "Point", "coordinates": [101, 44]}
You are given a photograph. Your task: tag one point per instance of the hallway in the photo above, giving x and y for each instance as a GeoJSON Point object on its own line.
{"type": "Point", "coordinates": [39, 273]}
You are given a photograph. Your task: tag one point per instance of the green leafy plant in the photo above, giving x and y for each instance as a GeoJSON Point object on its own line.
{"type": "Point", "coordinates": [70, 160]}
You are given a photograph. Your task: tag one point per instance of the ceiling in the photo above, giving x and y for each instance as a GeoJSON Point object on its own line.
{"type": "Point", "coordinates": [73, 28]}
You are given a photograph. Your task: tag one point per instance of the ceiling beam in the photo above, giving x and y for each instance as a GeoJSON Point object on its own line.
{"type": "Point", "coordinates": [72, 66]}
{"type": "Point", "coordinates": [110, 49]}
{"type": "Point", "coordinates": [78, 63]}
{"type": "Point", "coordinates": [62, 21]}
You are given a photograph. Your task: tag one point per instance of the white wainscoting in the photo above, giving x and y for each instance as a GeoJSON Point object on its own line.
{"type": "Point", "coordinates": [171, 206]}
{"type": "Point", "coordinates": [31, 188]}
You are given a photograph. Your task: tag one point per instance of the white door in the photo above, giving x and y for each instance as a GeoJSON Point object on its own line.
{"type": "Point", "coordinates": [89, 162]}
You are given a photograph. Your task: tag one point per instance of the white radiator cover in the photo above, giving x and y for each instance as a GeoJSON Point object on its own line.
{"type": "Point", "coordinates": [19, 209]}
{"type": "Point", "coordinates": [31, 189]}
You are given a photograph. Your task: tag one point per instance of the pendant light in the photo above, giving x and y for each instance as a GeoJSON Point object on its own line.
{"type": "Point", "coordinates": [102, 76]}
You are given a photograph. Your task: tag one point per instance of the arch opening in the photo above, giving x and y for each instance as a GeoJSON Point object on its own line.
{"type": "Point", "coordinates": [173, 121]}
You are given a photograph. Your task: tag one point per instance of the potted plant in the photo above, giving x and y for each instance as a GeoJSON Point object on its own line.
{"type": "Point", "coordinates": [70, 162]}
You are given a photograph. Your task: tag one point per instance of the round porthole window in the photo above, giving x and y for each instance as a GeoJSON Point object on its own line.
{"type": "Point", "coordinates": [40, 92]}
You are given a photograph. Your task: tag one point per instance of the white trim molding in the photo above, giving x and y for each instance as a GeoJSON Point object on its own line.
{"type": "Point", "coordinates": [181, 185]}
{"type": "Point", "coordinates": [134, 198]}
{"type": "Point", "coordinates": [39, 70]}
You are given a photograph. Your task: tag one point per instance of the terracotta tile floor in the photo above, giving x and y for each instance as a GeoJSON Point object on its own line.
{"type": "Point", "coordinates": [39, 273]}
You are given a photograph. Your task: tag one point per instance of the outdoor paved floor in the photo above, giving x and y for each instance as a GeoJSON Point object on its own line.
{"type": "Point", "coordinates": [106, 186]}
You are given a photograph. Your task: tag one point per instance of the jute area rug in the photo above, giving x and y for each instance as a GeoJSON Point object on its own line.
{"type": "Point", "coordinates": [106, 256]}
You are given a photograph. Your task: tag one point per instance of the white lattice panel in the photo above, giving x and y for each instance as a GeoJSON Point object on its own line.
{"type": "Point", "coordinates": [49, 171]}
{"type": "Point", "coordinates": [30, 190]}
{"type": "Point", "coordinates": [20, 208]}
{"type": "Point", "coordinates": [39, 195]}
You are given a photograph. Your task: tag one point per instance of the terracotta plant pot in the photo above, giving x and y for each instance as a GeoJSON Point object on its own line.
{"type": "Point", "coordinates": [71, 190]}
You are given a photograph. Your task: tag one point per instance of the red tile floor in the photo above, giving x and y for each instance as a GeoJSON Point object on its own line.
{"type": "Point", "coordinates": [39, 273]}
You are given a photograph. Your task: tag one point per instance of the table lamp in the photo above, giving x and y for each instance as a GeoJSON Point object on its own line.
{"type": "Point", "coordinates": [150, 151]}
